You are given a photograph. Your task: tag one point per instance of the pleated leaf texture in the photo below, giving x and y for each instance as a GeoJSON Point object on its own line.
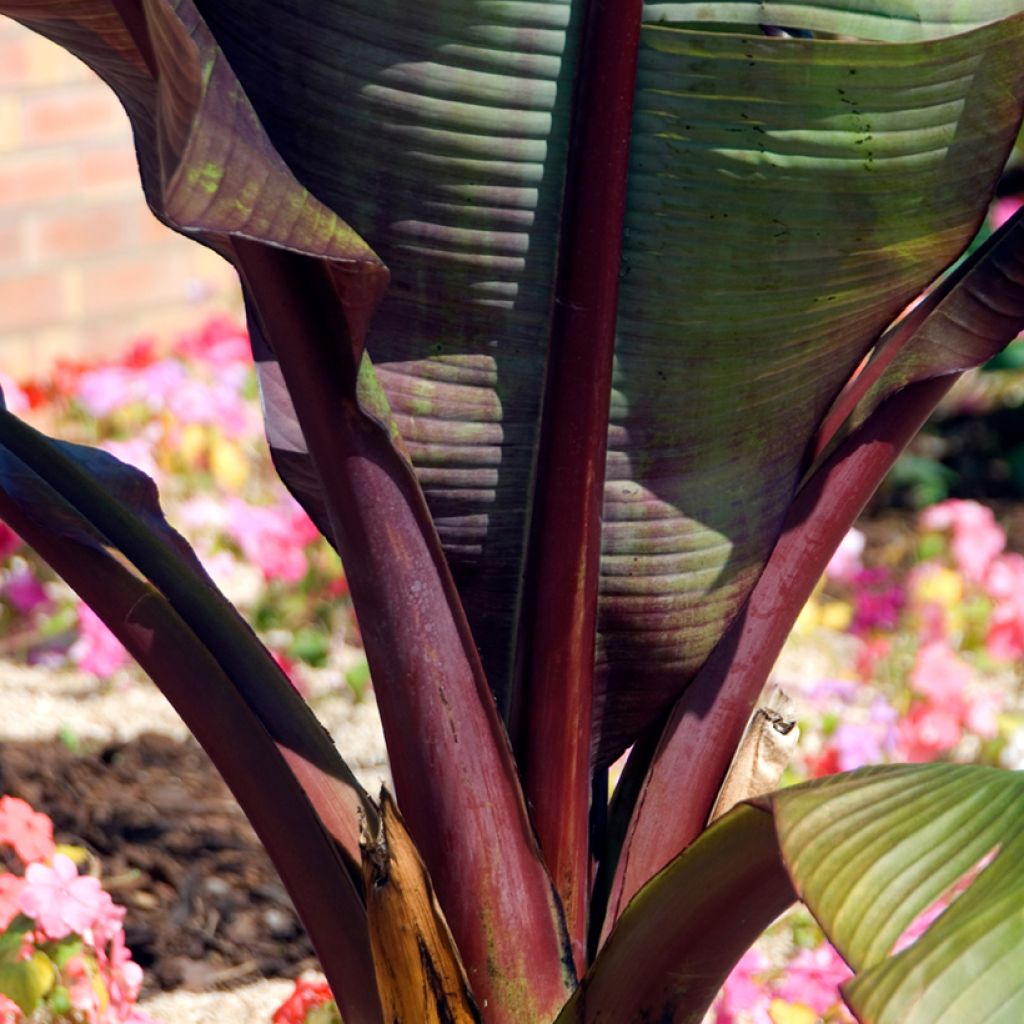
{"type": "Point", "coordinates": [787, 197]}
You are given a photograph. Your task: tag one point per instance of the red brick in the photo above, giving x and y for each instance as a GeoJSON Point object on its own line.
{"type": "Point", "coordinates": [50, 64]}
{"type": "Point", "coordinates": [132, 282]}
{"type": "Point", "coordinates": [28, 300]}
{"type": "Point", "coordinates": [14, 61]}
{"type": "Point", "coordinates": [72, 113]}
{"type": "Point", "coordinates": [35, 177]}
{"type": "Point", "coordinates": [11, 251]}
{"type": "Point", "coordinates": [76, 233]}
{"type": "Point", "coordinates": [152, 231]}
{"type": "Point", "coordinates": [109, 169]}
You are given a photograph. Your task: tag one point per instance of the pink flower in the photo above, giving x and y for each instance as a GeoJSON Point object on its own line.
{"type": "Point", "coordinates": [60, 900]}
{"type": "Point", "coordinates": [195, 401]}
{"type": "Point", "coordinates": [983, 714]}
{"type": "Point", "coordinates": [872, 652]}
{"type": "Point", "coordinates": [158, 384]}
{"type": "Point", "coordinates": [856, 745]}
{"type": "Point", "coordinates": [977, 538]}
{"type": "Point", "coordinates": [10, 898]}
{"type": "Point", "coordinates": [813, 979]}
{"type": "Point", "coordinates": [28, 831]}
{"type": "Point", "coordinates": [15, 398]}
{"type": "Point", "coordinates": [1004, 583]}
{"type": "Point", "coordinates": [846, 563]}
{"type": "Point", "coordinates": [105, 390]}
{"type": "Point", "coordinates": [928, 731]}
{"type": "Point", "coordinates": [1003, 209]}
{"type": "Point", "coordinates": [1005, 577]}
{"type": "Point", "coordinates": [220, 342]}
{"type": "Point", "coordinates": [10, 1012]}
{"type": "Point", "coordinates": [743, 994]}
{"type": "Point", "coordinates": [9, 542]}
{"type": "Point", "coordinates": [940, 675]}
{"type": "Point", "coordinates": [137, 452]}
{"type": "Point", "coordinates": [25, 592]}
{"type": "Point", "coordinates": [274, 538]}
{"type": "Point", "coordinates": [96, 650]}
{"type": "Point", "coordinates": [1005, 639]}
{"type": "Point", "coordinates": [877, 601]}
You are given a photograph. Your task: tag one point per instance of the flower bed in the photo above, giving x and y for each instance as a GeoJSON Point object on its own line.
{"type": "Point", "coordinates": [190, 419]}
{"type": "Point", "coordinates": [62, 948]}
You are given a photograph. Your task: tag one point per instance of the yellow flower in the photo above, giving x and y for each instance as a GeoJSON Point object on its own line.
{"type": "Point", "coordinates": [809, 618]}
{"type": "Point", "coordinates": [228, 464]}
{"type": "Point", "coordinates": [837, 615]}
{"type": "Point", "coordinates": [943, 587]}
{"type": "Point", "coordinates": [791, 1013]}
{"type": "Point", "coordinates": [192, 445]}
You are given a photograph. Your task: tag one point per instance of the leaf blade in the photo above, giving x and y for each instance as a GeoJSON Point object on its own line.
{"type": "Point", "coordinates": [966, 966]}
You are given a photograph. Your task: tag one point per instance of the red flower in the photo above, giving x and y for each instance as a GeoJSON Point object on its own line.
{"type": "Point", "coordinates": [306, 996]}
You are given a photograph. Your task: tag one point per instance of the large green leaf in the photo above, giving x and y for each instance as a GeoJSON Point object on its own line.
{"type": "Point", "coordinates": [869, 851]}
{"type": "Point", "coordinates": [787, 198]}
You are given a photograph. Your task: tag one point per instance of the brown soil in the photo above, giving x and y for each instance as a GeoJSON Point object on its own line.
{"type": "Point", "coordinates": [205, 908]}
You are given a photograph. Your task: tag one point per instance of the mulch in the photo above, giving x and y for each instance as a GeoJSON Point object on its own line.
{"type": "Point", "coordinates": [205, 908]}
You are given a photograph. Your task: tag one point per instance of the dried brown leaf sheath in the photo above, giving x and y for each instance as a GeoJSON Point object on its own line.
{"type": "Point", "coordinates": [419, 972]}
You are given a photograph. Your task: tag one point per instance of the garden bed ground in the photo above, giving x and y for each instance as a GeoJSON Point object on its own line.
{"type": "Point", "coordinates": [113, 766]}
{"type": "Point", "coordinates": [205, 906]}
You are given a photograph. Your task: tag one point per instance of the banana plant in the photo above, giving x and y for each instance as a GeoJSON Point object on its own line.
{"type": "Point", "coordinates": [582, 333]}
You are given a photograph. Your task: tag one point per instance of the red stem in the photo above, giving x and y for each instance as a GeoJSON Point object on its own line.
{"type": "Point", "coordinates": [564, 566]}
{"type": "Point", "coordinates": [450, 757]}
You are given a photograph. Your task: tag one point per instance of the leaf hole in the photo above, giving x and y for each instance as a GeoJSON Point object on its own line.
{"type": "Point", "coordinates": [935, 910]}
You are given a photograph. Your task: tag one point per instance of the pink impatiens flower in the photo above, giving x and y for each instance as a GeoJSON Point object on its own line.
{"type": "Point", "coordinates": [846, 563]}
{"type": "Point", "coordinates": [60, 900]}
{"type": "Point", "coordinates": [97, 650]}
{"type": "Point", "coordinates": [9, 541]}
{"type": "Point", "coordinates": [1004, 583]}
{"type": "Point", "coordinates": [928, 731]}
{"type": "Point", "coordinates": [28, 831]}
{"type": "Point", "coordinates": [10, 898]}
{"type": "Point", "coordinates": [977, 537]}
{"type": "Point", "coordinates": [274, 538]}
{"type": "Point", "coordinates": [25, 592]}
{"type": "Point", "coordinates": [940, 675]}
{"type": "Point", "coordinates": [744, 996]}
{"type": "Point", "coordinates": [813, 979]}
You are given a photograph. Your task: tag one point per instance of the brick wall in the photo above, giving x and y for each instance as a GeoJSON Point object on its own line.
{"type": "Point", "coordinates": [84, 266]}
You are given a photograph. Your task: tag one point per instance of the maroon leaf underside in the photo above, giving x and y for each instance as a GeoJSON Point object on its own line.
{"type": "Point", "coordinates": [675, 944]}
{"type": "Point", "coordinates": [261, 773]}
{"type": "Point", "coordinates": [971, 319]}
{"type": "Point", "coordinates": [563, 570]}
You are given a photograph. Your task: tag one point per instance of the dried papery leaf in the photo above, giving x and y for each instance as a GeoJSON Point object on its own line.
{"type": "Point", "coordinates": [419, 972]}
{"type": "Point", "coordinates": [763, 753]}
